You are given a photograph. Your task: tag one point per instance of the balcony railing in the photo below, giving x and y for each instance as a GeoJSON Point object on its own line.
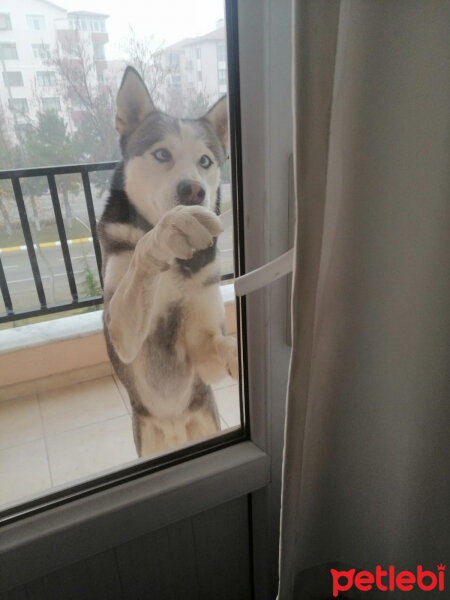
{"type": "Point", "coordinates": [46, 308]}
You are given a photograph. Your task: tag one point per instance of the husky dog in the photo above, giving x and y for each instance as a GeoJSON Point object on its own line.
{"type": "Point", "coordinates": [164, 316]}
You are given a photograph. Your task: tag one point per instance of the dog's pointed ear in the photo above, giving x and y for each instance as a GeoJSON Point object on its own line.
{"type": "Point", "coordinates": [133, 102]}
{"type": "Point", "coordinates": [218, 117]}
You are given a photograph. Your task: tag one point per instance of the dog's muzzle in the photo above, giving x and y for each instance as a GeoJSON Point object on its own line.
{"type": "Point", "coordinates": [190, 193]}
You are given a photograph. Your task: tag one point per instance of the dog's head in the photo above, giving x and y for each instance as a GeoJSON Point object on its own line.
{"type": "Point", "coordinates": [168, 161]}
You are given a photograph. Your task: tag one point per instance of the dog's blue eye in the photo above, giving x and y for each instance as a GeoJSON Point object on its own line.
{"type": "Point", "coordinates": [205, 162]}
{"type": "Point", "coordinates": [162, 155]}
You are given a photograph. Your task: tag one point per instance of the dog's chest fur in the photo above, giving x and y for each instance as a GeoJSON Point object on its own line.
{"type": "Point", "coordinates": [186, 307]}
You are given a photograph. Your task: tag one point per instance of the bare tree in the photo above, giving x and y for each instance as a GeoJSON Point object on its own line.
{"type": "Point", "coordinates": [91, 103]}
{"type": "Point", "coordinates": [142, 54]}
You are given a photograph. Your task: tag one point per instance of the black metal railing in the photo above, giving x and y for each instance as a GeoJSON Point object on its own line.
{"type": "Point", "coordinates": [76, 302]}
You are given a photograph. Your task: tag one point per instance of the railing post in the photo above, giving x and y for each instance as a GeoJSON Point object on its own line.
{"type": "Point", "coordinates": [92, 220]}
{"type": "Point", "coordinates": [29, 241]}
{"type": "Point", "coordinates": [62, 236]}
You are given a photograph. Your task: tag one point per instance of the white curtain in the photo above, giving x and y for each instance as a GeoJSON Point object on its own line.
{"type": "Point", "coordinates": [367, 442]}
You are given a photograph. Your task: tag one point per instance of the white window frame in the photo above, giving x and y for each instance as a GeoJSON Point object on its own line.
{"type": "Point", "coordinates": [37, 545]}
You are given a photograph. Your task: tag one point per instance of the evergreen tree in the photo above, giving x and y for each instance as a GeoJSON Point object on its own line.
{"type": "Point", "coordinates": [49, 144]}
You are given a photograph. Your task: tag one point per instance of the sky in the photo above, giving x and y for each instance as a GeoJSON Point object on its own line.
{"type": "Point", "coordinates": [166, 21]}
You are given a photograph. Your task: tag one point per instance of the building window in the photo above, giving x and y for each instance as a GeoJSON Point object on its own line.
{"type": "Point", "coordinates": [41, 51]}
{"type": "Point", "coordinates": [8, 51]}
{"type": "Point", "coordinates": [222, 76]}
{"type": "Point", "coordinates": [18, 105]}
{"type": "Point", "coordinates": [100, 77]}
{"type": "Point", "coordinates": [221, 53]}
{"type": "Point", "coordinates": [46, 78]}
{"type": "Point", "coordinates": [199, 75]}
{"type": "Point", "coordinates": [5, 22]}
{"type": "Point", "coordinates": [175, 80]}
{"type": "Point", "coordinates": [51, 104]}
{"type": "Point", "coordinates": [197, 52]}
{"type": "Point", "coordinates": [22, 130]}
{"type": "Point", "coordinates": [99, 51]}
{"type": "Point", "coordinates": [12, 78]}
{"type": "Point", "coordinates": [36, 22]}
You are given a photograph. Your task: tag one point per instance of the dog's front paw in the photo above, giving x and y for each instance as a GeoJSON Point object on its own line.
{"type": "Point", "coordinates": [228, 352]}
{"type": "Point", "coordinates": [184, 230]}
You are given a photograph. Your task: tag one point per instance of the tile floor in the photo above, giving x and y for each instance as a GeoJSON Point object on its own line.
{"type": "Point", "coordinates": [51, 438]}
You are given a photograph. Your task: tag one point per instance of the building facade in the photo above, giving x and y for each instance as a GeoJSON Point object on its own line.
{"type": "Point", "coordinates": [31, 31]}
{"type": "Point", "coordinates": [196, 68]}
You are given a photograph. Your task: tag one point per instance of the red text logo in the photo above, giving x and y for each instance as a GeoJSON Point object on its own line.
{"type": "Point", "coordinates": [385, 580]}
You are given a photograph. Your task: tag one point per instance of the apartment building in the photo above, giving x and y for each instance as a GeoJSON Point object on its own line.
{"type": "Point", "coordinates": [197, 65]}
{"type": "Point", "coordinates": [30, 31]}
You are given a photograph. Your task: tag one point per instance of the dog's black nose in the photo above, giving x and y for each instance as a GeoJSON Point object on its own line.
{"type": "Point", "coordinates": [190, 192]}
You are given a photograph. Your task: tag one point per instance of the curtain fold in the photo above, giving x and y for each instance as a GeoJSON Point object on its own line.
{"type": "Point", "coordinates": [367, 439]}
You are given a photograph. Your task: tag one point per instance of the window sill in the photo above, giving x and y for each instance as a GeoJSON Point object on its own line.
{"type": "Point", "coordinates": [50, 540]}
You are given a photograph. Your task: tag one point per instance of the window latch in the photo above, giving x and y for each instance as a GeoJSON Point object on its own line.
{"type": "Point", "coordinates": [261, 277]}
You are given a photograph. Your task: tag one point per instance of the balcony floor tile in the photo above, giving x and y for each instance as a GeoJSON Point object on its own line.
{"type": "Point", "coordinates": [81, 404]}
{"type": "Point", "coordinates": [20, 421]}
{"type": "Point", "coordinates": [56, 437]}
{"type": "Point", "coordinates": [82, 452]}
{"type": "Point", "coordinates": [24, 471]}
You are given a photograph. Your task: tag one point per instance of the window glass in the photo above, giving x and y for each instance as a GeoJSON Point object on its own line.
{"type": "Point", "coordinates": [8, 51]}
{"type": "Point", "coordinates": [12, 78]}
{"type": "Point", "coordinates": [46, 78]}
{"type": "Point", "coordinates": [19, 105]}
{"type": "Point", "coordinates": [87, 406]}
{"type": "Point", "coordinates": [36, 22]}
{"type": "Point", "coordinates": [5, 22]}
{"type": "Point", "coordinates": [51, 104]}
{"type": "Point", "coordinates": [99, 51]}
{"type": "Point", "coordinates": [41, 51]}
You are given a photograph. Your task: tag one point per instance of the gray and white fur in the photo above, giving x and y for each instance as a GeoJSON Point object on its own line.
{"type": "Point", "coordinates": [164, 315]}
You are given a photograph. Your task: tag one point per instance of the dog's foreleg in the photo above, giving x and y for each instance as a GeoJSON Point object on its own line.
{"type": "Point", "coordinates": [128, 297]}
{"type": "Point", "coordinates": [217, 357]}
